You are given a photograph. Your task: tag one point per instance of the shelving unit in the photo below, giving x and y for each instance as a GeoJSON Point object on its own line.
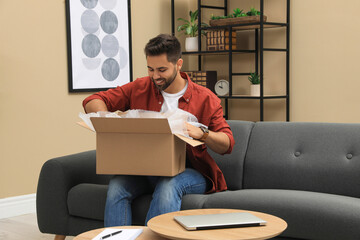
{"type": "Point", "coordinates": [259, 50]}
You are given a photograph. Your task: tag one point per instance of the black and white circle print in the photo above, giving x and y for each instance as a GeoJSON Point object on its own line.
{"type": "Point", "coordinates": [109, 22]}
{"type": "Point", "coordinates": [91, 45]}
{"type": "Point", "coordinates": [100, 44]}
{"type": "Point", "coordinates": [90, 21]}
{"type": "Point", "coordinates": [91, 63]}
{"type": "Point", "coordinates": [108, 4]}
{"type": "Point", "coordinates": [110, 69]}
{"type": "Point", "coordinates": [110, 46]}
{"type": "Point", "coordinates": [123, 58]}
{"type": "Point", "coordinates": [89, 4]}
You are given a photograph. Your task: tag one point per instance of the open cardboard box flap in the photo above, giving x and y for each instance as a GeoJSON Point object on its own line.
{"type": "Point", "coordinates": [136, 125]}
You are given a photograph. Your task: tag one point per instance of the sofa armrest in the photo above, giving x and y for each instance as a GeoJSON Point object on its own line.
{"type": "Point", "coordinates": [56, 178]}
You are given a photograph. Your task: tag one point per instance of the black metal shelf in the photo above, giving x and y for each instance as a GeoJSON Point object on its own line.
{"type": "Point", "coordinates": [225, 52]}
{"type": "Point", "coordinates": [259, 29]}
{"type": "Point", "coordinates": [247, 26]}
{"type": "Point", "coordinates": [275, 50]}
{"type": "Point", "coordinates": [212, 7]}
{"type": "Point", "coordinates": [254, 97]}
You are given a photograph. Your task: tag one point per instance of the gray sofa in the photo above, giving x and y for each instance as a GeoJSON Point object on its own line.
{"type": "Point", "coordinates": [306, 173]}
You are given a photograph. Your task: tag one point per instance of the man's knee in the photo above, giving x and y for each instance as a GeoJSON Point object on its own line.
{"type": "Point", "coordinates": [116, 188]}
{"type": "Point", "coordinates": [168, 189]}
{"type": "Point", "coordinates": [127, 187]}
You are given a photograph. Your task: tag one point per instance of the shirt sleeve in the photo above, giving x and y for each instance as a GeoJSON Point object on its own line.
{"type": "Point", "coordinates": [114, 99]}
{"type": "Point", "coordinates": [219, 124]}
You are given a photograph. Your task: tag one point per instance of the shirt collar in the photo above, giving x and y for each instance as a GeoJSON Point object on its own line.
{"type": "Point", "coordinates": [187, 95]}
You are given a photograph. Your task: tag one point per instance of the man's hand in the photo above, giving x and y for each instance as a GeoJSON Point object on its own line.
{"type": "Point", "coordinates": [219, 142]}
{"type": "Point", "coordinates": [193, 131]}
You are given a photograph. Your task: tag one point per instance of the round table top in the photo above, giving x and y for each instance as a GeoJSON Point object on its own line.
{"type": "Point", "coordinates": [166, 226]}
{"type": "Point", "coordinates": [147, 234]}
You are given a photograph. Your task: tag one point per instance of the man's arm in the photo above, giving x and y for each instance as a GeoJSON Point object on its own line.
{"type": "Point", "coordinates": [95, 105]}
{"type": "Point", "coordinates": [219, 142]}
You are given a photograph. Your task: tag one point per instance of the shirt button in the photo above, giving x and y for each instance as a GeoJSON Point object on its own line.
{"type": "Point", "coordinates": [159, 102]}
{"type": "Point", "coordinates": [187, 100]}
{"type": "Point", "coordinates": [349, 156]}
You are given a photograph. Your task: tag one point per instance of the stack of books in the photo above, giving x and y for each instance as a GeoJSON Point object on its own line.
{"type": "Point", "coordinates": [217, 40]}
{"type": "Point", "coordinates": [204, 78]}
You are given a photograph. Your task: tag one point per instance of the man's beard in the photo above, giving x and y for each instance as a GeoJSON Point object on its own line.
{"type": "Point", "coordinates": [167, 81]}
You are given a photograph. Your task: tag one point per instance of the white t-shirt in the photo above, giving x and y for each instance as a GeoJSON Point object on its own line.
{"type": "Point", "coordinates": [171, 101]}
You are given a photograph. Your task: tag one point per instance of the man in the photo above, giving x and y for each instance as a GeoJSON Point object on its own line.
{"type": "Point", "coordinates": [166, 88]}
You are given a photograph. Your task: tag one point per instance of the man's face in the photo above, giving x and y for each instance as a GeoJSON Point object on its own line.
{"type": "Point", "coordinates": [161, 72]}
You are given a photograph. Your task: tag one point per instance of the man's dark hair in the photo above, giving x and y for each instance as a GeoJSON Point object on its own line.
{"type": "Point", "coordinates": [164, 43]}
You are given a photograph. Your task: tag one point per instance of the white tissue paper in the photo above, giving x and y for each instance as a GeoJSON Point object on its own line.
{"type": "Point", "coordinates": [86, 117]}
{"type": "Point", "coordinates": [177, 118]}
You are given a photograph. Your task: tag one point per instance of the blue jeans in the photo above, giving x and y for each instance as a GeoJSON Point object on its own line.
{"type": "Point", "coordinates": [166, 197]}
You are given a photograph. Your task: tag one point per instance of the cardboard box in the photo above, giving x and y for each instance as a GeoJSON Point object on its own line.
{"type": "Point", "coordinates": [138, 146]}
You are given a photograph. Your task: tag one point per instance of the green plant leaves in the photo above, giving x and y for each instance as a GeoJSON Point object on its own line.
{"type": "Point", "coordinates": [237, 12]}
{"type": "Point", "coordinates": [253, 12]}
{"type": "Point", "coordinates": [191, 27]}
{"type": "Point", "coordinates": [254, 78]}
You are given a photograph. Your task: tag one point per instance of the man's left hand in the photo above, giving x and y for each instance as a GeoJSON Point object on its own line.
{"type": "Point", "coordinates": [219, 142]}
{"type": "Point", "coordinates": [193, 131]}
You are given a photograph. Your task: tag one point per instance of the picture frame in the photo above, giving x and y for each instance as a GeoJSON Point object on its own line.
{"type": "Point", "coordinates": [98, 44]}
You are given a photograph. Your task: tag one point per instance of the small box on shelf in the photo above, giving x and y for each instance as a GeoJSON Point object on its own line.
{"type": "Point", "coordinates": [204, 78]}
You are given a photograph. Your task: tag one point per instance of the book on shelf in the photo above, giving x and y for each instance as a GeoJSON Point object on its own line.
{"type": "Point", "coordinates": [204, 78]}
{"type": "Point", "coordinates": [219, 40]}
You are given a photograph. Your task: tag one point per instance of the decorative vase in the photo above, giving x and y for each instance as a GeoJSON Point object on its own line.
{"type": "Point", "coordinates": [191, 44]}
{"type": "Point", "coordinates": [255, 90]}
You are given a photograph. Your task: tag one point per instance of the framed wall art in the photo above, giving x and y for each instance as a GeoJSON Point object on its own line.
{"type": "Point", "coordinates": [99, 44]}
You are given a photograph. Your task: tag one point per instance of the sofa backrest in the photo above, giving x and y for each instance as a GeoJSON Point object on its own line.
{"type": "Point", "coordinates": [321, 157]}
{"type": "Point", "coordinates": [232, 164]}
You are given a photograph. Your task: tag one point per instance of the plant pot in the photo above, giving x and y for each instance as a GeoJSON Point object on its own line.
{"type": "Point", "coordinates": [238, 20]}
{"type": "Point", "coordinates": [191, 44]}
{"type": "Point", "coordinates": [255, 90]}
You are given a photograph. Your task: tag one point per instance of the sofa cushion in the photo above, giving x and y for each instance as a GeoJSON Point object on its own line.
{"type": "Point", "coordinates": [232, 164]}
{"type": "Point", "coordinates": [309, 215]}
{"type": "Point", "coordinates": [88, 201]}
{"type": "Point", "coordinates": [319, 157]}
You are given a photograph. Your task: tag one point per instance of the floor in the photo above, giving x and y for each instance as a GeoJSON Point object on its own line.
{"type": "Point", "coordinates": [23, 227]}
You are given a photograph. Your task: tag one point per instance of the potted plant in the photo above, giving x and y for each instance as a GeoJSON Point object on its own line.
{"type": "Point", "coordinates": [190, 29]}
{"type": "Point", "coordinates": [237, 17]}
{"type": "Point", "coordinates": [253, 12]}
{"type": "Point", "coordinates": [254, 79]}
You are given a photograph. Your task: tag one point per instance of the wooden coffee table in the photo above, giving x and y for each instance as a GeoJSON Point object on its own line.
{"type": "Point", "coordinates": [147, 234]}
{"type": "Point", "coordinates": [166, 226]}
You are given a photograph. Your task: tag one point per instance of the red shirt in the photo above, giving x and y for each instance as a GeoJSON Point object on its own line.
{"type": "Point", "coordinates": [197, 100]}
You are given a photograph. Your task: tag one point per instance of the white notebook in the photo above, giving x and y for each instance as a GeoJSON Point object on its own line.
{"type": "Point", "coordinates": [221, 220]}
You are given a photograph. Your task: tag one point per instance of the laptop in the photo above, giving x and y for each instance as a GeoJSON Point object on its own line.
{"type": "Point", "coordinates": [220, 220]}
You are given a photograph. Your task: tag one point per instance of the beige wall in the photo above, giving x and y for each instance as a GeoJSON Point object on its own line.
{"type": "Point", "coordinates": [325, 60]}
{"type": "Point", "coordinates": [38, 114]}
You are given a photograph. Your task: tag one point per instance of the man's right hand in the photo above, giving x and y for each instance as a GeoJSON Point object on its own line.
{"type": "Point", "coordinates": [95, 105]}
